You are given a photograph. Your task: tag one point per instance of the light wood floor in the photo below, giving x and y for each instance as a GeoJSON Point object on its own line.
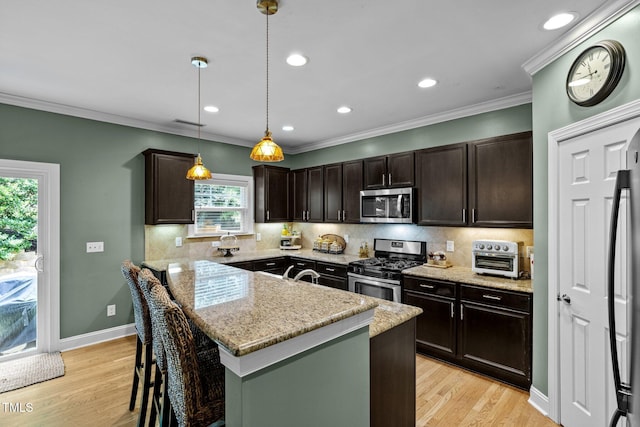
{"type": "Point", "coordinates": [95, 392]}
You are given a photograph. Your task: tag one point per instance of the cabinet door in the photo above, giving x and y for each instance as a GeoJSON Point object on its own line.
{"type": "Point", "coordinates": [400, 171]}
{"type": "Point", "coordinates": [315, 194]}
{"type": "Point", "coordinates": [501, 181]}
{"type": "Point", "coordinates": [375, 171]}
{"type": "Point", "coordinates": [496, 341]}
{"type": "Point", "coordinates": [169, 195]}
{"type": "Point", "coordinates": [351, 186]}
{"type": "Point", "coordinates": [436, 325]}
{"type": "Point", "coordinates": [441, 181]}
{"type": "Point", "coordinates": [271, 193]}
{"type": "Point", "coordinates": [298, 195]}
{"type": "Point", "coordinates": [300, 264]}
{"type": "Point", "coordinates": [333, 193]}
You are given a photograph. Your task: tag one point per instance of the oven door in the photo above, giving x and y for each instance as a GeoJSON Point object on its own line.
{"type": "Point", "coordinates": [389, 290]}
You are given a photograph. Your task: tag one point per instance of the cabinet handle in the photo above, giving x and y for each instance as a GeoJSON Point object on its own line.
{"type": "Point", "coordinates": [301, 264]}
{"type": "Point", "coordinates": [267, 215]}
{"type": "Point", "coordinates": [389, 179]}
{"type": "Point", "coordinates": [338, 214]}
{"type": "Point", "coordinates": [308, 215]}
{"type": "Point", "coordinates": [451, 310]}
{"type": "Point", "coordinates": [473, 215]}
{"type": "Point", "coordinates": [461, 313]}
{"type": "Point", "coordinates": [193, 215]}
{"type": "Point", "coordinates": [330, 269]}
{"type": "Point", "coordinates": [383, 180]}
{"type": "Point", "coordinates": [492, 297]}
{"type": "Point", "coordinates": [422, 285]}
{"type": "Point", "coordinates": [269, 264]}
{"type": "Point", "coordinates": [464, 215]}
{"type": "Point", "coordinates": [344, 218]}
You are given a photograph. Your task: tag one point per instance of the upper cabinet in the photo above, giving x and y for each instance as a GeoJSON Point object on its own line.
{"type": "Point", "coordinates": [271, 195]}
{"type": "Point", "coordinates": [394, 170]}
{"type": "Point", "coordinates": [501, 181]}
{"type": "Point", "coordinates": [342, 185]}
{"type": "Point", "coordinates": [441, 185]}
{"type": "Point", "coordinates": [306, 191]}
{"type": "Point", "coordinates": [169, 195]}
{"type": "Point", "coordinates": [485, 183]}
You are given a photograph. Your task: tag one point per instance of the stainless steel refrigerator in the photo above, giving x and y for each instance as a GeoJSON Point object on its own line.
{"type": "Point", "coordinates": [627, 394]}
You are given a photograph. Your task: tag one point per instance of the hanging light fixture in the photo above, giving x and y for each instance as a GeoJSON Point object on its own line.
{"type": "Point", "coordinates": [267, 150]}
{"type": "Point", "coordinates": [198, 170]}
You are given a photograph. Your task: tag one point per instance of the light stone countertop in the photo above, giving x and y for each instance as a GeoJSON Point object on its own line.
{"type": "Point", "coordinates": [246, 311]}
{"type": "Point", "coordinates": [465, 275]}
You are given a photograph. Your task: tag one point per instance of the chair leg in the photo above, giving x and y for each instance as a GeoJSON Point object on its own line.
{"type": "Point", "coordinates": [136, 367]}
{"type": "Point", "coordinates": [156, 408]}
{"type": "Point", "coordinates": [147, 383]}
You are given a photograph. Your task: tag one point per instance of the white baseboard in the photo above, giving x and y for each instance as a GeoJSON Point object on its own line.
{"type": "Point", "coordinates": [97, 337]}
{"type": "Point", "coordinates": [539, 401]}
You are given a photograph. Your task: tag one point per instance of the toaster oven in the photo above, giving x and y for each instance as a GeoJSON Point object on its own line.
{"type": "Point", "coordinates": [497, 257]}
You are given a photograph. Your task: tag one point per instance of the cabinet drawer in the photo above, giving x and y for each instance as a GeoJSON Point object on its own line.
{"type": "Point", "coordinates": [496, 297]}
{"type": "Point", "coordinates": [268, 264]}
{"type": "Point", "coordinates": [430, 286]}
{"type": "Point", "coordinates": [331, 269]}
{"type": "Point", "coordinates": [245, 265]}
{"type": "Point", "coordinates": [301, 264]}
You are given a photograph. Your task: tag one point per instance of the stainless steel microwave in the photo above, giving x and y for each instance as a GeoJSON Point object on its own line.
{"type": "Point", "coordinates": [388, 205]}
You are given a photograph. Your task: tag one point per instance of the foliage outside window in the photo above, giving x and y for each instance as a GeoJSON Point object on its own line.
{"type": "Point", "coordinates": [18, 216]}
{"type": "Point", "coordinates": [223, 204]}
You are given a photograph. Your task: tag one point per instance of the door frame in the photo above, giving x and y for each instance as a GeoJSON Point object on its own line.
{"type": "Point", "coordinates": [608, 118]}
{"type": "Point", "coordinates": [48, 176]}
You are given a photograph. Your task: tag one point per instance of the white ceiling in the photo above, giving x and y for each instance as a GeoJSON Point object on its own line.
{"type": "Point", "coordinates": [128, 62]}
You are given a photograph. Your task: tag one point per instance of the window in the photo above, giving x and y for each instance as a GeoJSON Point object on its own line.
{"type": "Point", "coordinates": [223, 204]}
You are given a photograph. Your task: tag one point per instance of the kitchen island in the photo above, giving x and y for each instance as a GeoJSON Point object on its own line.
{"type": "Point", "coordinates": [295, 353]}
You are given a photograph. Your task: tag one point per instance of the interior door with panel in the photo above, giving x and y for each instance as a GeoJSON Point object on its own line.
{"type": "Point", "coordinates": [587, 167]}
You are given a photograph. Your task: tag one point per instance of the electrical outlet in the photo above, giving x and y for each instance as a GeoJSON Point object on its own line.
{"type": "Point", "coordinates": [346, 238]}
{"type": "Point", "coordinates": [111, 310]}
{"type": "Point", "coordinates": [95, 247]}
{"type": "Point", "coordinates": [215, 244]}
{"type": "Point", "coordinates": [529, 251]}
{"type": "Point", "coordinates": [450, 246]}
{"type": "Point", "coordinates": [178, 242]}
{"type": "Point", "coordinates": [258, 237]}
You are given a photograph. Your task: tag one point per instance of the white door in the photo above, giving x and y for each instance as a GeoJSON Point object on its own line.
{"type": "Point", "coordinates": [586, 178]}
{"type": "Point", "coordinates": [29, 279]}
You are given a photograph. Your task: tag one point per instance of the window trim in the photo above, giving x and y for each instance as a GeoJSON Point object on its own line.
{"type": "Point", "coordinates": [227, 179]}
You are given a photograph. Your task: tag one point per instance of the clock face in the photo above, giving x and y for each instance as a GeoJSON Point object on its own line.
{"type": "Point", "coordinates": [595, 73]}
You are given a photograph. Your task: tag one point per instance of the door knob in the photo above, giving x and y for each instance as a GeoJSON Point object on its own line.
{"type": "Point", "coordinates": [565, 298]}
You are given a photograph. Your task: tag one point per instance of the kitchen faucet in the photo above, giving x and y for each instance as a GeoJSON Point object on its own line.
{"type": "Point", "coordinates": [308, 272]}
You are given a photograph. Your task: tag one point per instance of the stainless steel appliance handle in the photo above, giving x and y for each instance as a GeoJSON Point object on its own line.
{"type": "Point", "coordinates": [622, 390]}
{"type": "Point", "coordinates": [385, 283]}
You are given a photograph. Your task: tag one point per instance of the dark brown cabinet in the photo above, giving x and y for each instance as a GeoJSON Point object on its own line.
{"type": "Point", "coordinates": [271, 265]}
{"type": "Point", "coordinates": [169, 195]}
{"type": "Point", "coordinates": [394, 170]}
{"type": "Point", "coordinates": [483, 329]}
{"type": "Point", "coordinates": [342, 185]}
{"type": "Point", "coordinates": [300, 264]}
{"type": "Point", "coordinates": [332, 275]}
{"type": "Point", "coordinates": [307, 194]}
{"type": "Point", "coordinates": [271, 193]}
{"type": "Point", "coordinates": [441, 185]}
{"type": "Point", "coordinates": [501, 181]}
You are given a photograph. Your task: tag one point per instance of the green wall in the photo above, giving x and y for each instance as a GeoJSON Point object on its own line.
{"type": "Point", "coordinates": [102, 189]}
{"type": "Point", "coordinates": [553, 110]}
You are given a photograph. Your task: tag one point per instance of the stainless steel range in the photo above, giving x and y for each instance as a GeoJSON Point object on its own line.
{"type": "Point", "coordinates": [381, 276]}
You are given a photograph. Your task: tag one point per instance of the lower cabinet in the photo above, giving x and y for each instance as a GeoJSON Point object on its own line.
{"type": "Point", "coordinates": [300, 264]}
{"type": "Point", "coordinates": [332, 275]}
{"type": "Point", "coordinates": [483, 329]}
{"type": "Point", "coordinates": [245, 265]}
{"type": "Point", "coordinates": [271, 265]}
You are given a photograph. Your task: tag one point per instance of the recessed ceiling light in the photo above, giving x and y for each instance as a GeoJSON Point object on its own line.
{"type": "Point", "coordinates": [296, 60]}
{"type": "Point", "coordinates": [427, 83]}
{"type": "Point", "coordinates": [287, 128]}
{"type": "Point", "coordinates": [344, 109]}
{"type": "Point", "coordinates": [560, 20]}
{"type": "Point", "coordinates": [211, 109]}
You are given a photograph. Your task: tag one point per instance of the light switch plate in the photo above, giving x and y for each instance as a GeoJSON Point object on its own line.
{"type": "Point", "coordinates": [450, 246]}
{"type": "Point", "coordinates": [111, 310]}
{"type": "Point", "coordinates": [178, 242]}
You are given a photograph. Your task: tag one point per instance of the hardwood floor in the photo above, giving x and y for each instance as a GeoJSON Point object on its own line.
{"type": "Point", "coordinates": [95, 392]}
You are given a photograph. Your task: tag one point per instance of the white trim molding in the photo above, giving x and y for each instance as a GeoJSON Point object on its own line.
{"type": "Point", "coordinates": [539, 400]}
{"type": "Point", "coordinates": [97, 337]}
{"type": "Point", "coordinates": [611, 117]}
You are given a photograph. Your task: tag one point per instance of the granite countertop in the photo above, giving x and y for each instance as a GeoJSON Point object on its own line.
{"type": "Point", "coordinates": [465, 275]}
{"type": "Point", "coordinates": [246, 311]}
{"type": "Point", "coordinates": [242, 256]}
{"type": "Point", "coordinates": [387, 315]}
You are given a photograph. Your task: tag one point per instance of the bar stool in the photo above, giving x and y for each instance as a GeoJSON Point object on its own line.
{"type": "Point", "coordinates": [195, 379]}
{"type": "Point", "coordinates": [144, 353]}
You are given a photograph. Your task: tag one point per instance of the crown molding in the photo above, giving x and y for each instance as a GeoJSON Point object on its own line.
{"type": "Point", "coordinates": [100, 116]}
{"type": "Point", "coordinates": [458, 113]}
{"type": "Point", "coordinates": [586, 28]}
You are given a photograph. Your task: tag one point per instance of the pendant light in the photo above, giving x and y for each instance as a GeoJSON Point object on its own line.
{"type": "Point", "coordinates": [198, 171]}
{"type": "Point", "coordinates": [267, 150]}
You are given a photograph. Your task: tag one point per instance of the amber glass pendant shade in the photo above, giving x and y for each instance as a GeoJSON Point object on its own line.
{"type": "Point", "coordinates": [198, 171]}
{"type": "Point", "coordinates": [266, 150]}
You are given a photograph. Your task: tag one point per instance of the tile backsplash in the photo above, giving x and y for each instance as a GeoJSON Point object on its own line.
{"type": "Point", "coordinates": [160, 240]}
